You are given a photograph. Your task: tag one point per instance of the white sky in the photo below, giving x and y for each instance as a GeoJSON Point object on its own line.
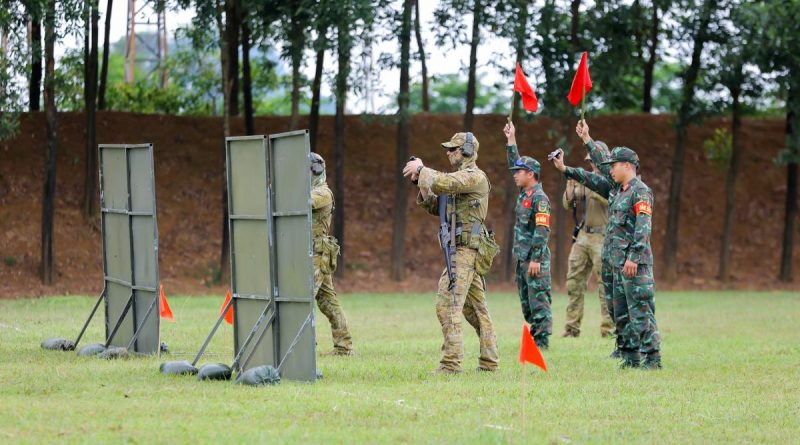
{"type": "Point", "coordinates": [440, 61]}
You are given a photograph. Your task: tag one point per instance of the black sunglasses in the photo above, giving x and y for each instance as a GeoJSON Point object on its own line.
{"type": "Point", "coordinates": [452, 149]}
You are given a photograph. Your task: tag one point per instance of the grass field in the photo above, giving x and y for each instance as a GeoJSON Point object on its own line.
{"type": "Point", "coordinates": [731, 375]}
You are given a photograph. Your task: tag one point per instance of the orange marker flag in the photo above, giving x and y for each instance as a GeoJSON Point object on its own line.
{"type": "Point", "coordinates": [166, 312]}
{"type": "Point", "coordinates": [229, 314]}
{"type": "Point", "coordinates": [529, 352]}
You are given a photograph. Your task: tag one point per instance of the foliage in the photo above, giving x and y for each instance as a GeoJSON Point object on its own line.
{"type": "Point", "coordinates": [718, 148]}
{"type": "Point", "coordinates": [448, 95]}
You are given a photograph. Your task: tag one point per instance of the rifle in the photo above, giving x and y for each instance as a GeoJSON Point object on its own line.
{"type": "Point", "coordinates": [578, 224]}
{"type": "Point", "coordinates": [447, 240]}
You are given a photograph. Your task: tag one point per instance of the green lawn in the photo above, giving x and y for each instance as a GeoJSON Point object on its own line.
{"type": "Point", "coordinates": [731, 374]}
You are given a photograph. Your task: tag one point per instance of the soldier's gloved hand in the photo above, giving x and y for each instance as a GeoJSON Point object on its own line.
{"type": "Point", "coordinates": [412, 167]}
{"type": "Point", "coordinates": [510, 133]}
{"type": "Point", "coordinates": [534, 268]}
{"type": "Point", "coordinates": [629, 269]}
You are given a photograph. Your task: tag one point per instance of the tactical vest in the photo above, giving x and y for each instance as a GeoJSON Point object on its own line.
{"type": "Point", "coordinates": [471, 209]}
{"type": "Point", "coordinates": [321, 217]}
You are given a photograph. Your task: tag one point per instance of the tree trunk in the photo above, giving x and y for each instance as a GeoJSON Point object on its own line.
{"type": "Point", "coordinates": [232, 45]}
{"type": "Point", "coordinates": [400, 193]}
{"type": "Point", "coordinates": [297, 42]}
{"type": "Point", "coordinates": [35, 85]}
{"type": "Point", "coordinates": [512, 191]}
{"type": "Point", "coordinates": [313, 120]}
{"type": "Point", "coordinates": [649, 67]}
{"type": "Point", "coordinates": [90, 101]}
{"type": "Point", "coordinates": [730, 181]}
{"type": "Point", "coordinates": [343, 56]}
{"type": "Point", "coordinates": [227, 89]}
{"type": "Point", "coordinates": [575, 26]}
{"type": "Point", "coordinates": [473, 62]}
{"type": "Point", "coordinates": [793, 143]}
{"type": "Point", "coordinates": [47, 267]}
{"type": "Point", "coordinates": [247, 83]}
{"type": "Point", "coordinates": [426, 107]}
{"type": "Point", "coordinates": [101, 93]}
{"type": "Point", "coordinates": [682, 128]}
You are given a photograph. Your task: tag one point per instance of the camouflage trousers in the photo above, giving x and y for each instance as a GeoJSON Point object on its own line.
{"type": "Point", "coordinates": [329, 305]}
{"type": "Point", "coordinates": [633, 301]}
{"type": "Point", "coordinates": [469, 298]}
{"type": "Point", "coordinates": [584, 261]}
{"type": "Point", "coordinates": [535, 298]}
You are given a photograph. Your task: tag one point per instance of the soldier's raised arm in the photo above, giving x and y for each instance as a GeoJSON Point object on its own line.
{"type": "Point", "coordinates": [598, 151]}
{"type": "Point", "coordinates": [462, 181]}
{"type": "Point", "coordinates": [511, 144]}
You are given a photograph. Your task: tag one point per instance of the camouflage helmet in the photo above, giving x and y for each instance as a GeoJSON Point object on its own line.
{"type": "Point", "coordinates": [623, 154]}
{"type": "Point", "coordinates": [460, 139]}
{"type": "Point", "coordinates": [527, 163]}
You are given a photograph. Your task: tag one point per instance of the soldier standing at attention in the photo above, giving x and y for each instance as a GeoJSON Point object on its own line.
{"type": "Point", "coordinates": [326, 250]}
{"type": "Point", "coordinates": [531, 232]}
{"type": "Point", "coordinates": [467, 192]}
{"type": "Point", "coordinates": [584, 258]}
{"type": "Point", "coordinates": [627, 255]}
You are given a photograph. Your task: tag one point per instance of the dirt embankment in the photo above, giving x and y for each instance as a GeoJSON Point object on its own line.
{"type": "Point", "coordinates": [189, 171]}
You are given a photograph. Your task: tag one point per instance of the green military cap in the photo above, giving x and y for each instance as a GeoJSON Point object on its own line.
{"type": "Point", "coordinates": [527, 163]}
{"type": "Point", "coordinates": [460, 139]}
{"type": "Point", "coordinates": [623, 154]}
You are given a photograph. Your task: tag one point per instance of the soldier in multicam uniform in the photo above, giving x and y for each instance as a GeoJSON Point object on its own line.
{"type": "Point", "coordinates": [627, 255]}
{"type": "Point", "coordinates": [584, 258]}
{"type": "Point", "coordinates": [531, 232]}
{"type": "Point", "coordinates": [468, 187]}
{"type": "Point", "coordinates": [326, 249]}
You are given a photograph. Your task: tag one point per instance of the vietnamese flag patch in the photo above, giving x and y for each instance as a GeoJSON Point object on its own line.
{"type": "Point", "coordinates": [526, 203]}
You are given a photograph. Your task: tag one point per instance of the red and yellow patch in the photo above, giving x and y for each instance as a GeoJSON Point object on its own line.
{"type": "Point", "coordinates": [543, 219]}
{"type": "Point", "coordinates": [526, 203]}
{"type": "Point", "coordinates": [643, 207]}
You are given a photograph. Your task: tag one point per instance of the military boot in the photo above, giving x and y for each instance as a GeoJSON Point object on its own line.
{"type": "Point", "coordinates": [630, 360]}
{"type": "Point", "coordinates": [652, 362]}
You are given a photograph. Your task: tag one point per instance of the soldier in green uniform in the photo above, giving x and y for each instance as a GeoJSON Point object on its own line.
{"type": "Point", "coordinates": [584, 258]}
{"type": "Point", "coordinates": [531, 232]}
{"type": "Point", "coordinates": [627, 255]}
{"type": "Point", "coordinates": [467, 190]}
{"type": "Point", "coordinates": [326, 250]}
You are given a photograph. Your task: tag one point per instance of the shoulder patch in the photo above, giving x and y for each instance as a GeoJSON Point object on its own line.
{"type": "Point", "coordinates": [543, 219]}
{"type": "Point", "coordinates": [542, 207]}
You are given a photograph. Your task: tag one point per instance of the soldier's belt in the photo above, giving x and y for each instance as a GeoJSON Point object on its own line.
{"type": "Point", "coordinates": [594, 229]}
{"type": "Point", "coordinates": [465, 234]}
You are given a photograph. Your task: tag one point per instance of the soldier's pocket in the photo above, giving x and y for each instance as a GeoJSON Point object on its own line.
{"type": "Point", "coordinates": [329, 253]}
{"type": "Point", "coordinates": [487, 250]}
{"type": "Point", "coordinates": [643, 284]}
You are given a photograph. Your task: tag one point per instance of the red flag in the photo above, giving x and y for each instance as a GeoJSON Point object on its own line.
{"type": "Point", "coordinates": [229, 314]}
{"type": "Point", "coordinates": [581, 84]}
{"type": "Point", "coordinates": [166, 312]}
{"type": "Point", "coordinates": [521, 85]}
{"type": "Point", "coordinates": [529, 352]}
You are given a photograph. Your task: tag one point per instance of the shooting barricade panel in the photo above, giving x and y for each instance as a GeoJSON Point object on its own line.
{"type": "Point", "coordinates": [271, 263]}
{"type": "Point", "coordinates": [130, 246]}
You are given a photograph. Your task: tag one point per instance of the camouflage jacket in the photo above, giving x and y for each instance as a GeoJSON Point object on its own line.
{"type": "Point", "coordinates": [469, 186]}
{"type": "Point", "coordinates": [532, 226]}
{"type": "Point", "coordinates": [321, 210]}
{"type": "Point", "coordinates": [630, 211]}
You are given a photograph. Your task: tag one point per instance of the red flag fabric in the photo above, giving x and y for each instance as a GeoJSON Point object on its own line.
{"type": "Point", "coordinates": [579, 82]}
{"type": "Point", "coordinates": [529, 352]}
{"type": "Point", "coordinates": [521, 85]}
{"type": "Point", "coordinates": [166, 312]}
{"type": "Point", "coordinates": [229, 314]}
